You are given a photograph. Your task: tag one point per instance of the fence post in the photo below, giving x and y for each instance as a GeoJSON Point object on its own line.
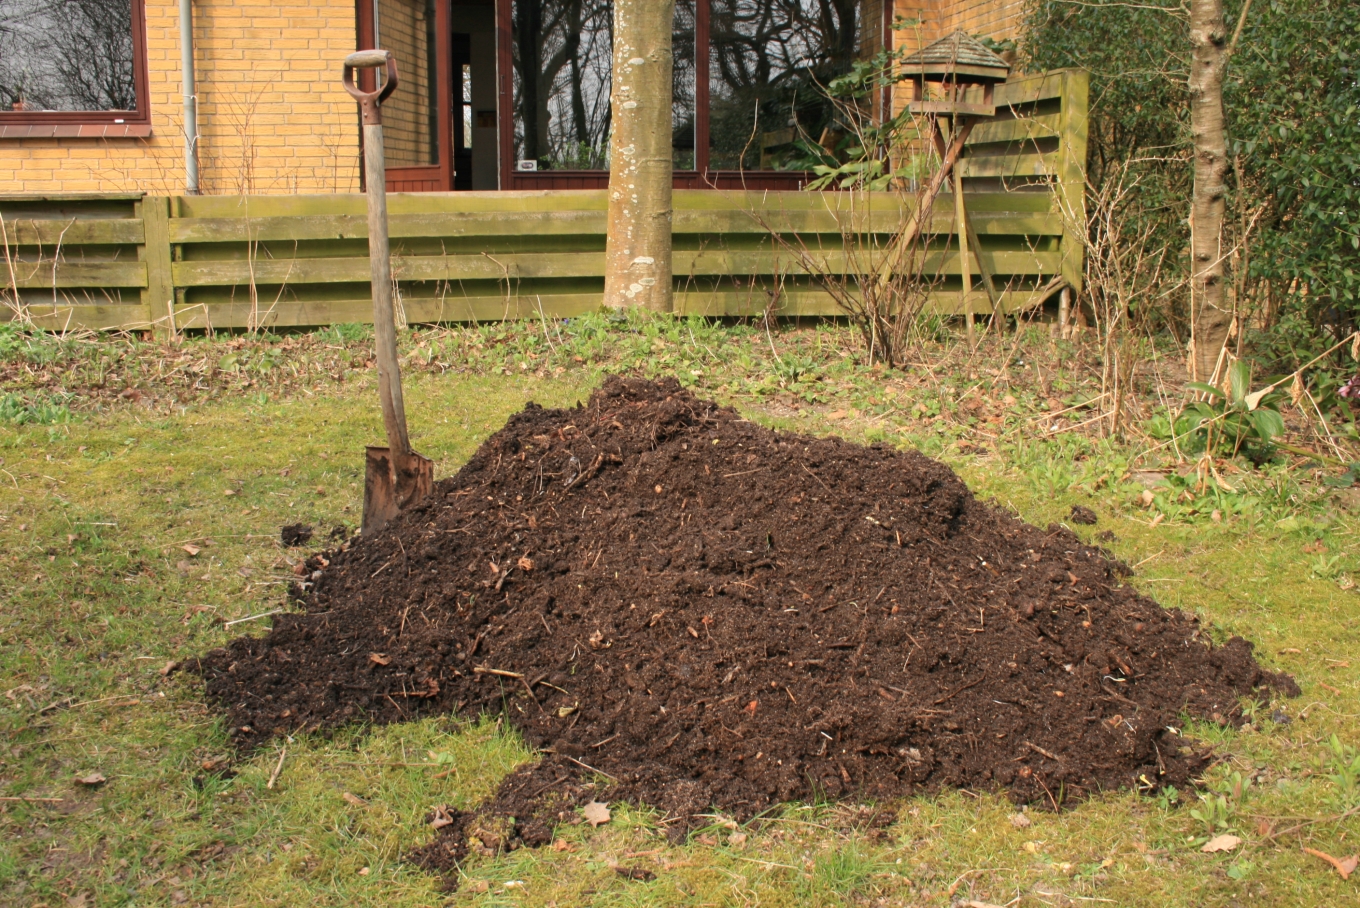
{"type": "Point", "coordinates": [155, 252]}
{"type": "Point", "coordinates": [1076, 87]}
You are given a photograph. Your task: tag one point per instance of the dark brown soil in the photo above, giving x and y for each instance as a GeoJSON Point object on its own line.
{"type": "Point", "coordinates": [717, 615]}
{"type": "Point", "coordinates": [295, 534]}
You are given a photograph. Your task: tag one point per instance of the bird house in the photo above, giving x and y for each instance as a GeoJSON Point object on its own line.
{"type": "Point", "coordinates": [955, 63]}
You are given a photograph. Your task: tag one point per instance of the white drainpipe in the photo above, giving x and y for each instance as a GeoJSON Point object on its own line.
{"type": "Point", "coordinates": [186, 48]}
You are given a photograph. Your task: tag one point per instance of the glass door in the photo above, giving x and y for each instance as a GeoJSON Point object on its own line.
{"type": "Point", "coordinates": [417, 121]}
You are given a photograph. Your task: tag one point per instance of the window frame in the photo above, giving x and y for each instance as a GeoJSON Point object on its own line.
{"type": "Point", "coordinates": [702, 177]}
{"type": "Point", "coordinates": [92, 124]}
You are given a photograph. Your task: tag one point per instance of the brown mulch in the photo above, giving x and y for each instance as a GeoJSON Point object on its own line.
{"type": "Point", "coordinates": [714, 615]}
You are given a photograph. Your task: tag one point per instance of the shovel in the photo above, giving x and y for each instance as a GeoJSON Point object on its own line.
{"type": "Point", "coordinates": [395, 477]}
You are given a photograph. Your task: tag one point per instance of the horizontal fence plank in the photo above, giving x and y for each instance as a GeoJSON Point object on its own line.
{"type": "Point", "coordinates": [1021, 129]}
{"type": "Point", "coordinates": [1010, 165]}
{"type": "Point", "coordinates": [291, 314]}
{"type": "Point", "coordinates": [75, 231]}
{"type": "Point", "coordinates": [89, 317]}
{"type": "Point", "coordinates": [529, 266]}
{"type": "Point", "coordinates": [1030, 89]}
{"type": "Point", "coordinates": [720, 303]}
{"type": "Point", "coordinates": [817, 303]}
{"type": "Point", "coordinates": [98, 275]}
{"type": "Point", "coordinates": [882, 219]}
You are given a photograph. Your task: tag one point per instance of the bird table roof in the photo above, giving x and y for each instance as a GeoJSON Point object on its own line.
{"type": "Point", "coordinates": [958, 54]}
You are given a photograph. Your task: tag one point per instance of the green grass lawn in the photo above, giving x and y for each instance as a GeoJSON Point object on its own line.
{"type": "Point", "coordinates": [132, 529]}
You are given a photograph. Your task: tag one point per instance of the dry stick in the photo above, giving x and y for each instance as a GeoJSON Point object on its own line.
{"type": "Point", "coordinates": [21, 798]}
{"type": "Point", "coordinates": [957, 692]}
{"type": "Point", "coordinates": [277, 611]}
{"type": "Point", "coordinates": [20, 311]}
{"type": "Point", "coordinates": [589, 767]}
{"type": "Point", "coordinates": [1039, 750]}
{"type": "Point", "coordinates": [274, 776]}
{"type": "Point", "coordinates": [480, 670]}
{"type": "Point", "coordinates": [1295, 828]}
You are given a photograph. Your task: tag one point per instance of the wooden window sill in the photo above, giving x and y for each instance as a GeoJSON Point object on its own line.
{"type": "Point", "coordinates": [74, 130]}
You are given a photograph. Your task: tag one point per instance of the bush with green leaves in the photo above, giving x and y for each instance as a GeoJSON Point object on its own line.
{"type": "Point", "coordinates": [1292, 98]}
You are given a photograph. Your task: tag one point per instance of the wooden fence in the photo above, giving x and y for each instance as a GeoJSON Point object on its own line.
{"type": "Point", "coordinates": [128, 261]}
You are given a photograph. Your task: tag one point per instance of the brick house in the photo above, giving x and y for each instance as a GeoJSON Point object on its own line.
{"type": "Point", "coordinates": [496, 94]}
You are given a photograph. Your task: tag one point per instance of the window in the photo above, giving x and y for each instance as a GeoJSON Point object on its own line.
{"type": "Point", "coordinates": [411, 115]}
{"type": "Point", "coordinates": [767, 61]}
{"type": "Point", "coordinates": [466, 104]}
{"type": "Point", "coordinates": [71, 62]}
{"type": "Point", "coordinates": [746, 78]}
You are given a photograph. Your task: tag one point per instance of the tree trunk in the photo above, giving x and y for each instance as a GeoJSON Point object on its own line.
{"type": "Point", "coordinates": [1210, 315]}
{"type": "Point", "coordinates": [638, 244]}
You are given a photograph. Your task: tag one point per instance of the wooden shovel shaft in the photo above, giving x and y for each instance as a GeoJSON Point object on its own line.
{"type": "Point", "coordinates": [384, 318]}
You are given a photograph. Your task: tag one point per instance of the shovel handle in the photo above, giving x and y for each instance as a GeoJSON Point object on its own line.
{"type": "Point", "coordinates": [370, 102]}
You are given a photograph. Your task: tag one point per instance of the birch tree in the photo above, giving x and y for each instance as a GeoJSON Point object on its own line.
{"type": "Point", "coordinates": [638, 243]}
{"type": "Point", "coordinates": [1210, 314]}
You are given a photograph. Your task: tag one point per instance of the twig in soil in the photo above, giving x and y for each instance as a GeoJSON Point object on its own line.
{"type": "Point", "coordinates": [1046, 753]}
{"type": "Point", "coordinates": [957, 692]}
{"type": "Point", "coordinates": [816, 477]}
{"type": "Point", "coordinates": [589, 767]}
{"type": "Point", "coordinates": [532, 695]}
{"type": "Point", "coordinates": [605, 741]}
{"type": "Point", "coordinates": [1051, 799]}
{"type": "Point", "coordinates": [277, 611]}
{"type": "Point", "coordinates": [274, 776]}
{"type": "Point", "coordinates": [481, 670]}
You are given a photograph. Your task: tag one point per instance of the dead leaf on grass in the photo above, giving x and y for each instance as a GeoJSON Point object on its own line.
{"type": "Point", "coordinates": [736, 839]}
{"type": "Point", "coordinates": [1344, 866]}
{"type": "Point", "coordinates": [441, 818]}
{"type": "Point", "coordinates": [596, 813]}
{"type": "Point", "coordinates": [641, 874]}
{"type": "Point", "coordinates": [91, 780]}
{"type": "Point", "coordinates": [191, 549]}
{"type": "Point", "coordinates": [977, 904]}
{"type": "Point", "coordinates": [1225, 842]}
{"type": "Point", "coordinates": [354, 800]}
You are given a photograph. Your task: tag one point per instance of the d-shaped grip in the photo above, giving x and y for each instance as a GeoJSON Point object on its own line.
{"type": "Point", "coordinates": [370, 102]}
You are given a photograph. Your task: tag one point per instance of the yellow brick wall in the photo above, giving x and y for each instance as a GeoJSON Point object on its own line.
{"type": "Point", "coordinates": [272, 115]}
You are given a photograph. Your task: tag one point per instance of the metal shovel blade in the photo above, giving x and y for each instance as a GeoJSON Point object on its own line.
{"type": "Point", "coordinates": [392, 484]}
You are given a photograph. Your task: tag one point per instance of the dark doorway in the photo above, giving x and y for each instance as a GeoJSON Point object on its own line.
{"type": "Point", "coordinates": [463, 113]}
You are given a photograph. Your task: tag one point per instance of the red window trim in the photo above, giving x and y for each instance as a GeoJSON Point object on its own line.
{"type": "Point", "coordinates": [92, 124]}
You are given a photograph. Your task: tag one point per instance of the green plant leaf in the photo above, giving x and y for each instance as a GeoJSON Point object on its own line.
{"type": "Point", "coordinates": [1205, 388]}
{"type": "Point", "coordinates": [1239, 381]}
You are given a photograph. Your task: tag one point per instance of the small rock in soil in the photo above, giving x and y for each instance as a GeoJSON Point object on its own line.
{"type": "Point", "coordinates": [296, 534]}
{"type": "Point", "coordinates": [683, 609]}
{"type": "Point", "coordinates": [1083, 516]}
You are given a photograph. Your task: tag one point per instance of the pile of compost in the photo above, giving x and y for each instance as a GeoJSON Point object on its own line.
{"type": "Point", "coordinates": [714, 615]}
